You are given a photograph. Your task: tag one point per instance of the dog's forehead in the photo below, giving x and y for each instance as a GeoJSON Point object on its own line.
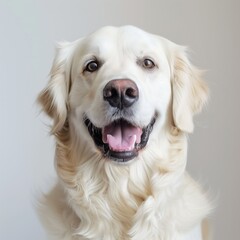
{"type": "Point", "coordinates": [127, 38]}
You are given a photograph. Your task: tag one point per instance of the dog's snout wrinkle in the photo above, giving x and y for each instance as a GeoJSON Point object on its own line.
{"type": "Point", "coordinates": [121, 93]}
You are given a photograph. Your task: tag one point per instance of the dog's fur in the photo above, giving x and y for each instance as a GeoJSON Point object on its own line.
{"type": "Point", "coordinates": [151, 196]}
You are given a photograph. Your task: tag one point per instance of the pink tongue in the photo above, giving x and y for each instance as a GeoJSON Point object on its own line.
{"type": "Point", "coordinates": [121, 136]}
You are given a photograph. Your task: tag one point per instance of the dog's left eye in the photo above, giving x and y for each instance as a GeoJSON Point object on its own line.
{"type": "Point", "coordinates": [92, 66]}
{"type": "Point", "coordinates": [148, 63]}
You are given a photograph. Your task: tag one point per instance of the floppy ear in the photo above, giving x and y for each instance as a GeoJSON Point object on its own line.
{"type": "Point", "coordinates": [54, 98]}
{"type": "Point", "coordinates": [190, 92]}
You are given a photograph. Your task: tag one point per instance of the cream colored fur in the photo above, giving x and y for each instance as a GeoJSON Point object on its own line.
{"type": "Point", "coordinates": [152, 197]}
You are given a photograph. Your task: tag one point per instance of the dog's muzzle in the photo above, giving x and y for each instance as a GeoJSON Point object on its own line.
{"type": "Point", "coordinates": [120, 140]}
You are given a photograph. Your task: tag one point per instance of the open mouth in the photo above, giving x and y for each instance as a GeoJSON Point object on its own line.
{"type": "Point", "coordinates": [120, 141]}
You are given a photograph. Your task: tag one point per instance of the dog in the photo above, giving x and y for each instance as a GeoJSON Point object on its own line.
{"type": "Point", "coordinates": [122, 103]}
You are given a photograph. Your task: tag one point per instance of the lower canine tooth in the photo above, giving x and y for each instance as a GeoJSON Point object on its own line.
{"type": "Point", "coordinates": [132, 141]}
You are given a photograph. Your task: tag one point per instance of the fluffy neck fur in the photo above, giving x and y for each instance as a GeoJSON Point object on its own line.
{"type": "Point", "coordinates": [107, 198]}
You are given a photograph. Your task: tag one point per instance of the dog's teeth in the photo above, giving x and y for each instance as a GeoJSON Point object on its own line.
{"type": "Point", "coordinates": [132, 141]}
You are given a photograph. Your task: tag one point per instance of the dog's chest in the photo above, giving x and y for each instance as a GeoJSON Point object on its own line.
{"type": "Point", "coordinates": [111, 211]}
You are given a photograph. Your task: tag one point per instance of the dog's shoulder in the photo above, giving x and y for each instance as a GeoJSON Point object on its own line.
{"type": "Point", "coordinates": [192, 204]}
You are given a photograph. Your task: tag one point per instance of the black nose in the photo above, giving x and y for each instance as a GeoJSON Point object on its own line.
{"type": "Point", "coordinates": [121, 93]}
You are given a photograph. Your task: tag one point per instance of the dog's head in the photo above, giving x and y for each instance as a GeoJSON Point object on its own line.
{"type": "Point", "coordinates": [120, 88]}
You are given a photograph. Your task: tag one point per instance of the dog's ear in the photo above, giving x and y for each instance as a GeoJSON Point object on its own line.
{"type": "Point", "coordinates": [190, 92]}
{"type": "Point", "coordinates": [54, 97]}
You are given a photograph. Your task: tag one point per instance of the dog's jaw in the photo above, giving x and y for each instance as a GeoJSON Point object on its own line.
{"type": "Point", "coordinates": [121, 140]}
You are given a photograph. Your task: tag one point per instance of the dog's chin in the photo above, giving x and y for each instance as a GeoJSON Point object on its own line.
{"type": "Point", "coordinates": [120, 141]}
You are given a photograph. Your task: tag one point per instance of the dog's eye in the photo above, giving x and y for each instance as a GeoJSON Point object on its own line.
{"type": "Point", "coordinates": [148, 63]}
{"type": "Point", "coordinates": [92, 66]}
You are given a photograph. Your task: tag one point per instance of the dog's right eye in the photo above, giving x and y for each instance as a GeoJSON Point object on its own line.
{"type": "Point", "coordinates": [92, 66]}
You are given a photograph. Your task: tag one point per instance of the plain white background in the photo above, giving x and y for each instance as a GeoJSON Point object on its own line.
{"type": "Point", "coordinates": [28, 30]}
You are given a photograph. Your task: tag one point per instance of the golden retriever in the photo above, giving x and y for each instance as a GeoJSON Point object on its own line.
{"type": "Point", "coordinates": [122, 102]}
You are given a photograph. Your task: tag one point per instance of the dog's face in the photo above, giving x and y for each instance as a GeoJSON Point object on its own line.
{"type": "Point", "coordinates": [120, 88]}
